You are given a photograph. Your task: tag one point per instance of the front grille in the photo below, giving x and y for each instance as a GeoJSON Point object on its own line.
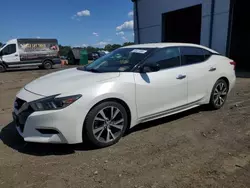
{"type": "Point", "coordinates": [21, 118]}
{"type": "Point", "coordinates": [18, 124]}
{"type": "Point", "coordinates": [19, 103]}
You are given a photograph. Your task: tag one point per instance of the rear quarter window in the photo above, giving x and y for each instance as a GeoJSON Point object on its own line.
{"type": "Point", "coordinates": [207, 54]}
{"type": "Point", "coordinates": [191, 55]}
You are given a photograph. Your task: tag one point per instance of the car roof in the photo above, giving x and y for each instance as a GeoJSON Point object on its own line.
{"type": "Point", "coordinates": [164, 45]}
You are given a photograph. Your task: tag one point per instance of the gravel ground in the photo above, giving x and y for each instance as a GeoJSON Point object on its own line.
{"type": "Point", "coordinates": [197, 148]}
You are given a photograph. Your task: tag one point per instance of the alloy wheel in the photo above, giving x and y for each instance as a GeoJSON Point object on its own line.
{"type": "Point", "coordinates": [220, 94]}
{"type": "Point", "coordinates": [108, 124]}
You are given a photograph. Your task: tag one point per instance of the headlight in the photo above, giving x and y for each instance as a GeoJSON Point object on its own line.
{"type": "Point", "coordinates": [53, 103]}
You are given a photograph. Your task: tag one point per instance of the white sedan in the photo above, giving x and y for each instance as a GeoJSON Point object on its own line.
{"type": "Point", "coordinates": [131, 85]}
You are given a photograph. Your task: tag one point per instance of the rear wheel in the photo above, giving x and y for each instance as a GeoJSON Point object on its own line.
{"type": "Point", "coordinates": [2, 68]}
{"type": "Point", "coordinates": [106, 123]}
{"type": "Point", "coordinates": [47, 65]}
{"type": "Point", "coordinates": [219, 94]}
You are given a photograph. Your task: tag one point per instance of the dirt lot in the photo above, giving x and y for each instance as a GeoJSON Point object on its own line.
{"type": "Point", "coordinates": [197, 148]}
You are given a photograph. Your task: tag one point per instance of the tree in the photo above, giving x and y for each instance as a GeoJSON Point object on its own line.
{"type": "Point", "coordinates": [128, 43]}
{"type": "Point", "coordinates": [108, 47]}
{"type": "Point", "coordinates": [64, 50]}
{"type": "Point", "coordinates": [111, 47]}
{"type": "Point", "coordinates": [115, 46]}
{"type": "Point", "coordinates": [1, 44]}
{"type": "Point", "coordinates": [91, 49]}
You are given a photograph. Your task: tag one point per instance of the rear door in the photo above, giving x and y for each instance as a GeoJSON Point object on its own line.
{"type": "Point", "coordinates": [157, 93]}
{"type": "Point", "coordinates": [10, 54]}
{"type": "Point", "coordinates": [199, 72]}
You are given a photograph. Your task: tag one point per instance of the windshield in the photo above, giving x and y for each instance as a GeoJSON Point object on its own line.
{"type": "Point", "coordinates": [2, 45]}
{"type": "Point", "coordinates": [120, 60]}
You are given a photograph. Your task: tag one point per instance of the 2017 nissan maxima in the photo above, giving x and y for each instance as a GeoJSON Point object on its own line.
{"type": "Point", "coordinates": [131, 85]}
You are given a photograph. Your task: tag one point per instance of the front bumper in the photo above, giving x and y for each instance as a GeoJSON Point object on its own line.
{"type": "Point", "coordinates": [55, 126]}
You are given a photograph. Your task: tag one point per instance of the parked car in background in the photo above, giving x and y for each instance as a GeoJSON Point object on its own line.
{"type": "Point", "coordinates": [96, 55]}
{"type": "Point", "coordinates": [130, 85]}
{"type": "Point", "coordinates": [103, 52]}
{"type": "Point", "coordinates": [93, 55]}
{"type": "Point", "coordinates": [29, 52]}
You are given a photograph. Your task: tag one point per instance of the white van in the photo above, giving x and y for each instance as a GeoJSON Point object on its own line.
{"type": "Point", "coordinates": [29, 52]}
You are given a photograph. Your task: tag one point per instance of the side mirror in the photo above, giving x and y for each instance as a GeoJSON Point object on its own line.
{"type": "Point", "coordinates": [151, 67]}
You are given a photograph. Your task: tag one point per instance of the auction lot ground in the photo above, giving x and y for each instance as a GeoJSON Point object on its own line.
{"type": "Point", "coordinates": [198, 148]}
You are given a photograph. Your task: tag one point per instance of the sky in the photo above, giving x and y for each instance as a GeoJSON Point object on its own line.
{"type": "Point", "coordinates": [72, 22]}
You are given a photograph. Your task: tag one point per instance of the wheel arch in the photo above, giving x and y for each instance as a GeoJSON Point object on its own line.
{"type": "Point", "coordinates": [48, 59]}
{"type": "Point", "coordinates": [225, 79]}
{"type": "Point", "coordinates": [120, 101]}
{"type": "Point", "coordinates": [4, 66]}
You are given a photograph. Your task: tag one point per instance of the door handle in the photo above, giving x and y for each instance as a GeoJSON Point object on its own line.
{"type": "Point", "coordinates": [180, 77]}
{"type": "Point", "coordinates": [212, 69]}
{"type": "Point", "coordinates": [16, 55]}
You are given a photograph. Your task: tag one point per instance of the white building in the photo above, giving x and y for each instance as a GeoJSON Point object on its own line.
{"type": "Point", "coordinates": [218, 24]}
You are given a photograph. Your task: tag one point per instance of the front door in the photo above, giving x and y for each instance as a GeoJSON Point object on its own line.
{"type": "Point", "coordinates": [162, 91]}
{"type": "Point", "coordinates": [10, 54]}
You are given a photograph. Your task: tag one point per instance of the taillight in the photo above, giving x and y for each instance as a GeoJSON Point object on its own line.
{"type": "Point", "coordinates": [233, 63]}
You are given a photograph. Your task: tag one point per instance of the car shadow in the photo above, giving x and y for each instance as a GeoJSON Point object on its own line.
{"type": "Point", "coordinates": [27, 69]}
{"type": "Point", "coordinates": [22, 69]}
{"type": "Point", "coordinates": [12, 139]}
{"type": "Point", "coordinates": [168, 119]}
{"type": "Point", "coordinates": [34, 68]}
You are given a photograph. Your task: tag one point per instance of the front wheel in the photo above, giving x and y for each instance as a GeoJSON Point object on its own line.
{"type": "Point", "coordinates": [47, 65]}
{"type": "Point", "coordinates": [106, 123]}
{"type": "Point", "coordinates": [2, 68]}
{"type": "Point", "coordinates": [219, 94]}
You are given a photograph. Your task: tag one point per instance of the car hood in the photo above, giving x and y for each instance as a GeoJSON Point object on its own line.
{"type": "Point", "coordinates": [66, 81]}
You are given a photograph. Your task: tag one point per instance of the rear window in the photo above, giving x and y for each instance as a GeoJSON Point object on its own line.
{"type": "Point", "coordinates": [191, 55]}
{"type": "Point", "coordinates": [207, 54]}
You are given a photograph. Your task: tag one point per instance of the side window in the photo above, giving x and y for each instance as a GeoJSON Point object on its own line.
{"type": "Point", "coordinates": [9, 49]}
{"type": "Point", "coordinates": [207, 54]}
{"type": "Point", "coordinates": [166, 58]}
{"type": "Point", "coordinates": [12, 48]}
{"type": "Point", "coordinates": [191, 55]}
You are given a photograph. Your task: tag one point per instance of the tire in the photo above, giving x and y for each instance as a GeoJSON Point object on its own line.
{"type": "Point", "coordinates": [97, 129]}
{"type": "Point", "coordinates": [2, 68]}
{"type": "Point", "coordinates": [219, 95]}
{"type": "Point", "coordinates": [47, 65]}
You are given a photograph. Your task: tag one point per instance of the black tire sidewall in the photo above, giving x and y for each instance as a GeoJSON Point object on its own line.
{"type": "Point", "coordinates": [2, 68]}
{"type": "Point", "coordinates": [212, 104]}
{"type": "Point", "coordinates": [87, 131]}
{"type": "Point", "coordinates": [48, 63]}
